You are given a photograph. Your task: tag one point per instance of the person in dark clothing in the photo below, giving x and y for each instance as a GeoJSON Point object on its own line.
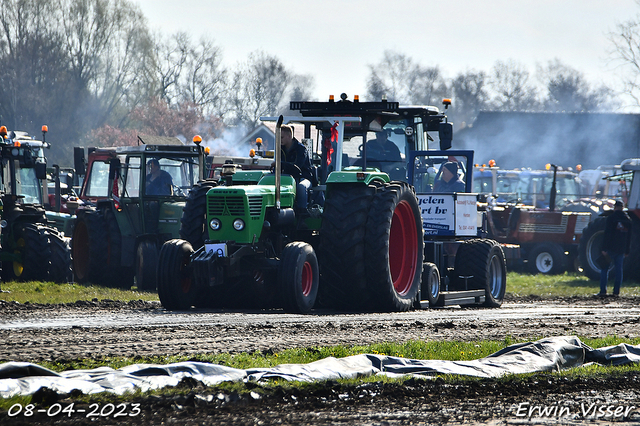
{"type": "Point", "coordinates": [382, 149]}
{"type": "Point", "coordinates": [293, 152]}
{"type": "Point", "coordinates": [449, 180]}
{"type": "Point", "coordinates": [615, 245]}
{"type": "Point", "coordinates": [159, 182]}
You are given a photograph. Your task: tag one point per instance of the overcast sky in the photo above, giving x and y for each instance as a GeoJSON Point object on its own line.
{"type": "Point", "coordinates": [335, 41]}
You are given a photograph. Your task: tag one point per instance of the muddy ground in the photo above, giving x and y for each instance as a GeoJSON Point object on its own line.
{"type": "Point", "coordinates": [538, 400]}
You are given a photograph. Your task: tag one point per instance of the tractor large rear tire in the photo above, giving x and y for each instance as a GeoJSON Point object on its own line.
{"type": "Point", "coordinates": [341, 251]}
{"type": "Point", "coordinates": [146, 266]}
{"type": "Point", "coordinates": [176, 288]}
{"type": "Point", "coordinates": [298, 277]}
{"type": "Point", "coordinates": [89, 247]}
{"type": "Point", "coordinates": [61, 271]}
{"type": "Point", "coordinates": [590, 247]}
{"type": "Point", "coordinates": [394, 248]}
{"type": "Point", "coordinates": [482, 261]}
{"type": "Point", "coordinates": [193, 226]}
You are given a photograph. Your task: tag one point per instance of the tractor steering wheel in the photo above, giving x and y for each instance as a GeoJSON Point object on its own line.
{"type": "Point", "coordinates": [290, 169]}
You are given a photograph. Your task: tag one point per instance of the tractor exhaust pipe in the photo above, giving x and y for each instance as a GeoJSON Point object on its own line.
{"type": "Point", "coordinates": [278, 154]}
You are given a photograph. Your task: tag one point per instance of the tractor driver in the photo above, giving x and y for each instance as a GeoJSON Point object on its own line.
{"type": "Point", "coordinates": [449, 180]}
{"type": "Point", "coordinates": [159, 182]}
{"type": "Point", "coordinates": [382, 149]}
{"type": "Point", "coordinates": [294, 153]}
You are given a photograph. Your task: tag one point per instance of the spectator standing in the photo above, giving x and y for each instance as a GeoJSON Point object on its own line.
{"type": "Point", "coordinates": [615, 246]}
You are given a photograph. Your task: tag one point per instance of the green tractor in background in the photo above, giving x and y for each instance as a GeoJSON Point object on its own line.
{"type": "Point", "coordinates": [125, 218]}
{"type": "Point", "coordinates": [32, 248]}
{"type": "Point", "coordinates": [249, 245]}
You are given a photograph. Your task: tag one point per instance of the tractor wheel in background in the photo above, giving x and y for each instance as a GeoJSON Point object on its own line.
{"type": "Point", "coordinates": [33, 244]}
{"type": "Point", "coordinates": [193, 227]}
{"type": "Point", "coordinates": [89, 247]}
{"type": "Point", "coordinates": [430, 283]}
{"type": "Point", "coordinates": [590, 247]}
{"type": "Point", "coordinates": [61, 270]}
{"type": "Point", "coordinates": [482, 260]}
{"type": "Point", "coordinates": [117, 276]}
{"type": "Point", "coordinates": [176, 288]}
{"type": "Point", "coordinates": [632, 262]}
{"type": "Point", "coordinates": [298, 277]}
{"type": "Point", "coordinates": [342, 246]}
{"type": "Point", "coordinates": [146, 265]}
{"type": "Point", "coordinates": [394, 248]}
{"type": "Point", "coordinates": [546, 258]}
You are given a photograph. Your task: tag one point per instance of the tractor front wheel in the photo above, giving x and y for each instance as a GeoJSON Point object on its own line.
{"type": "Point", "coordinates": [146, 265]}
{"type": "Point", "coordinates": [298, 277]}
{"type": "Point", "coordinates": [590, 247]}
{"type": "Point", "coordinates": [430, 283]}
{"type": "Point", "coordinates": [193, 227]}
{"type": "Point", "coordinates": [33, 247]}
{"type": "Point", "coordinates": [176, 288]}
{"type": "Point", "coordinates": [547, 258]}
{"type": "Point", "coordinates": [61, 271]}
{"type": "Point", "coordinates": [89, 247]}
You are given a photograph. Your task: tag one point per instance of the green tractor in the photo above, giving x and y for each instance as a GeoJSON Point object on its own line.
{"type": "Point", "coordinates": [128, 212]}
{"type": "Point", "coordinates": [249, 245]}
{"type": "Point", "coordinates": [32, 248]}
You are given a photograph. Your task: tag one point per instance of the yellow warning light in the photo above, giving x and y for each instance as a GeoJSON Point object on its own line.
{"type": "Point", "coordinates": [45, 128]}
{"type": "Point", "coordinates": [356, 98]}
{"type": "Point", "coordinates": [252, 153]}
{"type": "Point", "coordinates": [207, 150]}
{"type": "Point", "coordinates": [579, 167]}
{"type": "Point", "coordinates": [197, 139]}
{"type": "Point", "coordinates": [331, 98]}
{"type": "Point", "coordinates": [446, 101]}
{"type": "Point", "coordinates": [547, 166]}
{"type": "Point", "coordinates": [258, 140]}
{"type": "Point", "coordinates": [16, 143]}
{"type": "Point", "coordinates": [492, 163]}
{"type": "Point", "coordinates": [3, 131]}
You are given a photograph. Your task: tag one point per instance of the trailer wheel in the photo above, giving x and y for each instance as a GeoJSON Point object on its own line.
{"type": "Point", "coordinates": [194, 215]}
{"type": "Point", "coordinates": [590, 247]}
{"type": "Point", "coordinates": [430, 283]}
{"type": "Point", "coordinates": [546, 258]}
{"type": "Point", "coordinates": [146, 264]}
{"type": "Point", "coordinates": [33, 246]}
{"type": "Point", "coordinates": [61, 271]}
{"type": "Point", "coordinates": [89, 247]}
{"type": "Point", "coordinates": [298, 277]}
{"type": "Point", "coordinates": [341, 250]}
{"type": "Point", "coordinates": [482, 260]}
{"type": "Point", "coordinates": [394, 247]}
{"type": "Point", "coordinates": [176, 288]}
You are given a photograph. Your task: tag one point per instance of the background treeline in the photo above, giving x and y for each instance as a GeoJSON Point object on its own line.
{"type": "Point", "coordinates": [93, 72]}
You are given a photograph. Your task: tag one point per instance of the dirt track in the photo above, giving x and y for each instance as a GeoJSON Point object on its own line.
{"type": "Point", "coordinates": [98, 329]}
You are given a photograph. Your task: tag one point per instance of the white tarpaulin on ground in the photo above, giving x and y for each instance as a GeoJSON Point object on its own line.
{"type": "Point", "coordinates": [550, 354]}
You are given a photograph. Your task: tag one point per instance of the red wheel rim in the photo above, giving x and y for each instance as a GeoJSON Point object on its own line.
{"type": "Point", "coordinates": [307, 279]}
{"type": "Point", "coordinates": [403, 248]}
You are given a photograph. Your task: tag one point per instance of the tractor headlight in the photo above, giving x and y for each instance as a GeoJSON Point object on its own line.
{"type": "Point", "coordinates": [215, 224]}
{"type": "Point", "coordinates": [238, 224]}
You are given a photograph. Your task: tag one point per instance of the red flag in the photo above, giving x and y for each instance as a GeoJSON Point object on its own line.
{"type": "Point", "coordinates": [327, 142]}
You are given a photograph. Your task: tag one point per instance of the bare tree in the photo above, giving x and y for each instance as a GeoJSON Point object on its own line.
{"type": "Point", "coordinates": [400, 79]}
{"type": "Point", "coordinates": [569, 91]}
{"type": "Point", "coordinates": [513, 92]}
{"type": "Point", "coordinates": [626, 50]}
{"type": "Point", "coordinates": [109, 45]}
{"type": "Point", "coordinates": [469, 96]}
{"type": "Point", "coordinates": [259, 87]}
{"type": "Point", "coordinates": [170, 57]}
